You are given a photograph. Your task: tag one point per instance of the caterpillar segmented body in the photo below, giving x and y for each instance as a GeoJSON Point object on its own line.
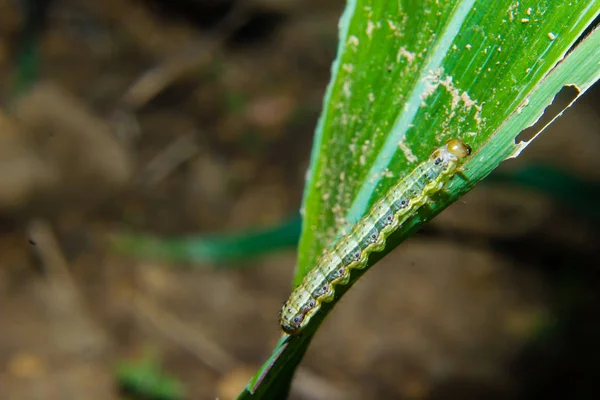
{"type": "Point", "coordinates": [369, 234]}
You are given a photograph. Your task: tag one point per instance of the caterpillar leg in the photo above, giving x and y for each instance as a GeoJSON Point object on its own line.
{"type": "Point", "coordinates": [461, 173]}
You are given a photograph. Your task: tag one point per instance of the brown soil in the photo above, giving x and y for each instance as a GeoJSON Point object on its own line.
{"type": "Point", "coordinates": [165, 121]}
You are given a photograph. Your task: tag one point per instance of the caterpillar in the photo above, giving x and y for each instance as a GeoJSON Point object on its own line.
{"type": "Point", "coordinates": [369, 234]}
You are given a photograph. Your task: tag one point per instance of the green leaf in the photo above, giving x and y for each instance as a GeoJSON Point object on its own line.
{"type": "Point", "coordinates": [28, 58]}
{"type": "Point", "coordinates": [433, 72]}
{"type": "Point", "coordinates": [408, 76]}
{"type": "Point", "coordinates": [227, 250]}
{"type": "Point", "coordinates": [146, 378]}
{"type": "Point", "coordinates": [221, 250]}
{"type": "Point", "coordinates": [581, 196]}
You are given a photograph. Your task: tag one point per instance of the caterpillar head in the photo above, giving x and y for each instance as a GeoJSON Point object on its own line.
{"type": "Point", "coordinates": [458, 148]}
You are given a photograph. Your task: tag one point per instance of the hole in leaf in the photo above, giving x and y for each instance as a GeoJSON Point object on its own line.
{"type": "Point", "coordinates": [566, 95]}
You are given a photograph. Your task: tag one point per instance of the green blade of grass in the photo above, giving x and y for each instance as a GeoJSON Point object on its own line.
{"type": "Point", "coordinates": [228, 249]}
{"type": "Point", "coordinates": [569, 190]}
{"type": "Point", "coordinates": [408, 76]}
{"type": "Point", "coordinates": [220, 250]}
{"type": "Point", "coordinates": [28, 60]}
{"type": "Point", "coordinates": [146, 379]}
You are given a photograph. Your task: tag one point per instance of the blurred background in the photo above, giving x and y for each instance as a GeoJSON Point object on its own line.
{"type": "Point", "coordinates": [152, 162]}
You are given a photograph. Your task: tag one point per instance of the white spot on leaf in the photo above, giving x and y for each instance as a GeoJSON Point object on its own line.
{"type": "Point", "coordinates": [346, 89]}
{"type": "Point", "coordinates": [407, 151]}
{"type": "Point", "coordinates": [370, 27]}
{"type": "Point", "coordinates": [403, 53]}
{"type": "Point", "coordinates": [353, 40]}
